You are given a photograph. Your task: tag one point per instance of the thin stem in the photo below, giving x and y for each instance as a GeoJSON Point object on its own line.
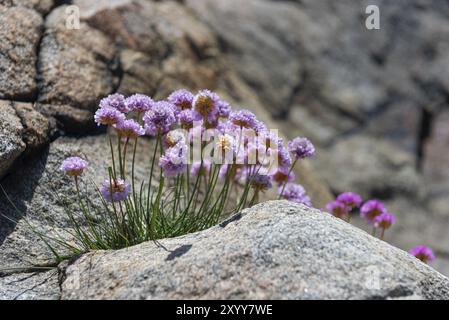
{"type": "Point", "coordinates": [382, 234]}
{"type": "Point", "coordinates": [285, 182]}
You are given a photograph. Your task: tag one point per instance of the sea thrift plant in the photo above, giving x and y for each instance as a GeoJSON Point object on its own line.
{"type": "Point", "coordinates": [373, 211]}
{"type": "Point", "coordinates": [207, 161]}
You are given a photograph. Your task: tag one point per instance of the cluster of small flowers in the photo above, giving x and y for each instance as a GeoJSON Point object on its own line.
{"type": "Point", "coordinates": [376, 214]}
{"type": "Point", "coordinates": [373, 211]}
{"type": "Point", "coordinates": [182, 109]}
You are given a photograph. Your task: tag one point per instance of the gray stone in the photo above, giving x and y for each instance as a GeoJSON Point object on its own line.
{"type": "Point", "coordinates": [42, 6]}
{"type": "Point", "coordinates": [20, 32]}
{"type": "Point", "coordinates": [69, 119]}
{"type": "Point", "coordinates": [36, 127]}
{"type": "Point", "coordinates": [30, 286]}
{"type": "Point", "coordinates": [141, 73]}
{"type": "Point", "coordinates": [276, 250]}
{"type": "Point", "coordinates": [74, 64]}
{"type": "Point", "coordinates": [371, 167]}
{"type": "Point", "coordinates": [11, 130]}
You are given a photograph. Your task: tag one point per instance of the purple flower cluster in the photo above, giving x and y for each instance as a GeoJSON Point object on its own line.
{"type": "Point", "coordinates": [182, 99]}
{"type": "Point", "coordinates": [116, 101]}
{"type": "Point", "coordinates": [115, 190]}
{"type": "Point", "coordinates": [174, 160]}
{"type": "Point", "coordinates": [206, 105]}
{"type": "Point", "coordinates": [129, 129]}
{"type": "Point", "coordinates": [296, 193]}
{"type": "Point", "coordinates": [139, 103]}
{"type": "Point", "coordinates": [344, 204]}
{"type": "Point", "coordinates": [73, 166]}
{"type": "Point", "coordinates": [260, 182]}
{"type": "Point", "coordinates": [371, 209]}
{"type": "Point", "coordinates": [160, 118]}
{"type": "Point", "coordinates": [384, 220]}
{"type": "Point", "coordinates": [301, 148]}
{"type": "Point", "coordinates": [423, 253]}
{"type": "Point", "coordinates": [108, 116]}
{"type": "Point", "coordinates": [338, 209]}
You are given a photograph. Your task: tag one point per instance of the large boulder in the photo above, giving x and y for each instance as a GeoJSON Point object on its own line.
{"type": "Point", "coordinates": [274, 250]}
{"type": "Point", "coordinates": [20, 33]}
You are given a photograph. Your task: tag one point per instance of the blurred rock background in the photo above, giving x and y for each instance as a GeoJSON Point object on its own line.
{"type": "Point", "coordinates": [374, 102]}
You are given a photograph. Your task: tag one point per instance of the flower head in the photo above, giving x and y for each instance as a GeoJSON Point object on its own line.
{"type": "Point", "coordinates": [182, 99]}
{"type": "Point", "coordinates": [139, 103]}
{"type": "Point", "coordinates": [423, 253]}
{"type": "Point", "coordinates": [244, 119]}
{"type": "Point", "coordinates": [108, 116]}
{"type": "Point", "coordinates": [129, 129]}
{"type": "Point", "coordinates": [296, 193]}
{"type": "Point", "coordinates": [173, 161]}
{"type": "Point", "coordinates": [338, 209]}
{"type": "Point", "coordinates": [73, 166]}
{"type": "Point", "coordinates": [205, 104]}
{"type": "Point", "coordinates": [260, 182]}
{"type": "Point", "coordinates": [187, 117]}
{"type": "Point", "coordinates": [224, 109]}
{"type": "Point", "coordinates": [225, 146]}
{"type": "Point", "coordinates": [350, 199]}
{"type": "Point", "coordinates": [301, 148]}
{"type": "Point", "coordinates": [116, 101]}
{"type": "Point", "coordinates": [384, 220]}
{"type": "Point", "coordinates": [172, 138]}
{"type": "Point", "coordinates": [115, 190]}
{"type": "Point", "coordinates": [159, 119]}
{"type": "Point", "coordinates": [371, 209]}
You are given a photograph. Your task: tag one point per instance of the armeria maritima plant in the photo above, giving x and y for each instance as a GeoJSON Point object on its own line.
{"type": "Point", "coordinates": [206, 161]}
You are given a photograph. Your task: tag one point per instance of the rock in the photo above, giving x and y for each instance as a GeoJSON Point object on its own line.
{"type": "Point", "coordinates": [130, 23]}
{"type": "Point", "coordinates": [69, 119]}
{"type": "Point", "coordinates": [42, 6]}
{"type": "Point", "coordinates": [141, 73]}
{"type": "Point", "coordinates": [20, 33]}
{"type": "Point", "coordinates": [347, 78]}
{"type": "Point", "coordinates": [371, 167]}
{"type": "Point", "coordinates": [75, 66]}
{"type": "Point", "coordinates": [435, 170]}
{"type": "Point", "coordinates": [30, 286]}
{"type": "Point", "coordinates": [11, 130]}
{"type": "Point", "coordinates": [36, 127]}
{"type": "Point", "coordinates": [260, 40]}
{"type": "Point", "coordinates": [313, 255]}
{"type": "Point", "coordinates": [168, 47]}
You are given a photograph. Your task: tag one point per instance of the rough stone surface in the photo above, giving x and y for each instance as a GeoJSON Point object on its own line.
{"type": "Point", "coordinates": [30, 286]}
{"type": "Point", "coordinates": [436, 175]}
{"type": "Point", "coordinates": [276, 250]}
{"type": "Point", "coordinates": [42, 6]}
{"type": "Point", "coordinates": [11, 130]}
{"type": "Point", "coordinates": [20, 32]}
{"type": "Point", "coordinates": [74, 64]}
{"type": "Point", "coordinates": [36, 127]}
{"type": "Point", "coordinates": [373, 167]}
